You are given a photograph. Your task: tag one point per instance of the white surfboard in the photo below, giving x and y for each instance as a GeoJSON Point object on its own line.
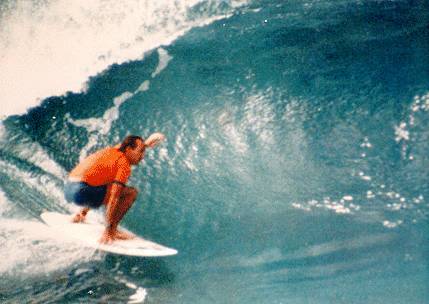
{"type": "Point", "coordinates": [90, 232]}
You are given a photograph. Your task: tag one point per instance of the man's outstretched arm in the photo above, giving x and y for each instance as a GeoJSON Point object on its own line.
{"type": "Point", "coordinates": [154, 139]}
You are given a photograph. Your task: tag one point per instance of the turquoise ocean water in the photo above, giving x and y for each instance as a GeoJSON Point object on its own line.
{"type": "Point", "coordinates": [296, 164]}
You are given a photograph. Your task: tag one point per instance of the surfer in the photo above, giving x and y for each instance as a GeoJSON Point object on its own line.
{"type": "Point", "coordinates": [101, 179]}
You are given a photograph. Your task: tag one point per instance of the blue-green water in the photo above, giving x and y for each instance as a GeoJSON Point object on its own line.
{"type": "Point", "coordinates": [296, 164]}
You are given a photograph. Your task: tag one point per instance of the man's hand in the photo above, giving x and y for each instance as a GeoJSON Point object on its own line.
{"type": "Point", "coordinates": [154, 139]}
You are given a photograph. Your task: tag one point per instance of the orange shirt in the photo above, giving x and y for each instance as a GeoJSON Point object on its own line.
{"type": "Point", "coordinates": [103, 167]}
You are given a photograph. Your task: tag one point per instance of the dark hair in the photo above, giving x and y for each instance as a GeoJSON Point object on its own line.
{"type": "Point", "coordinates": [130, 141]}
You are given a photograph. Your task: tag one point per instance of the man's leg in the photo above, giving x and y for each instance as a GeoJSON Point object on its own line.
{"type": "Point", "coordinates": [85, 195]}
{"type": "Point", "coordinates": [126, 200]}
{"type": "Point", "coordinates": [127, 197]}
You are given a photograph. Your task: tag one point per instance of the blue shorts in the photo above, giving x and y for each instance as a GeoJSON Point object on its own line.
{"type": "Point", "coordinates": [85, 195]}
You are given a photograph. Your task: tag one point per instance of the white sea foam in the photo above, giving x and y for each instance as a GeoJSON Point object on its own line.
{"type": "Point", "coordinates": [40, 251]}
{"type": "Point", "coordinates": [139, 296]}
{"type": "Point", "coordinates": [143, 87]}
{"type": "Point", "coordinates": [36, 154]}
{"type": "Point", "coordinates": [2, 131]}
{"type": "Point", "coordinates": [401, 132]}
{"type": "Point", "coordinates": [51, 47]}
{"type": "Point", "coordinates": [389, 224]}
{"type": "Point", "coordinates": [164, 58]}
{"type": "Point", "coordinates": [4, 203]}
{"type": "Point", "coordinates": [342, 206]}
{"type": "Point", "coordinates": [43, 184]}
{"type": "Point", "coordinates": [140, 293]}
{"type": "Point", "coordinates": [366, 143]}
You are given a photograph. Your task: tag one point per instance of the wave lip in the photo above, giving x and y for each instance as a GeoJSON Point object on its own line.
{"type": "Point", "coordinates": [52, 48]}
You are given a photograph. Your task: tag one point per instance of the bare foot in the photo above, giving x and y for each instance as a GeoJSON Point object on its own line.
{"type": "Point", "coordinates": [109, 236]}
{"type": "Point", "coordinates": [121, 235]}
{"type": "Point", "coordinates": [78, 218]}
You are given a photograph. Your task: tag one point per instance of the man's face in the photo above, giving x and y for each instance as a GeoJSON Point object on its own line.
{"type": "Point", "coordinates": [135, 155]}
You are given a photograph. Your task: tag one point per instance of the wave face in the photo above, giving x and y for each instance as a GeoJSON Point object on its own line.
{"type": "Point", "coordinates": [295, 167]}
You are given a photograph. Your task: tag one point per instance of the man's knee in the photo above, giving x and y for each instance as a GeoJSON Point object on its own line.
{"type": "Point", "coordinates": [131, 192]}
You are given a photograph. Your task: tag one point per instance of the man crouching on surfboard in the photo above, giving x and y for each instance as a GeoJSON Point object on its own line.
{"type": "Point", "coordinates": [101, 179]}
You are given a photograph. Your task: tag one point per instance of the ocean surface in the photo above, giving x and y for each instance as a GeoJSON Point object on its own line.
{"type": "Point", "coordinates": [296, 164]}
